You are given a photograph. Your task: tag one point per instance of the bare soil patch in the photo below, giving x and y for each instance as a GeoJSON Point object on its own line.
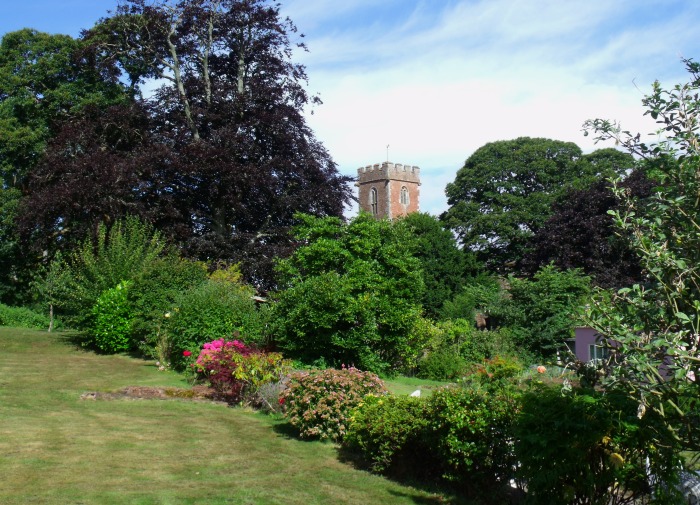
{"type": "Point", "coordinates": [195, 393]}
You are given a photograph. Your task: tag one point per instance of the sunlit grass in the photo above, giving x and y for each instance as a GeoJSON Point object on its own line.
{"type": "Point", "coordinates": [58, 448]}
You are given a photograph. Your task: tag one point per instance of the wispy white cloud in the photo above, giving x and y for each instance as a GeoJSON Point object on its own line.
{"type": "Point", "coordinates": [442, 78]}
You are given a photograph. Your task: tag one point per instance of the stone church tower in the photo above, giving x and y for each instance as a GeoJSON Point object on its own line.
{"type": "Point", "coordinates": [388, 190]}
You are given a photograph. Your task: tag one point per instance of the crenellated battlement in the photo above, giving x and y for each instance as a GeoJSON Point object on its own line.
{"type": "Point", "coordinates": [387, 167]}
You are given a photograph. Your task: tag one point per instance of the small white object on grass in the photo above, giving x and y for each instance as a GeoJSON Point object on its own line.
{"type": "Point", "coordinates": [416, 393]}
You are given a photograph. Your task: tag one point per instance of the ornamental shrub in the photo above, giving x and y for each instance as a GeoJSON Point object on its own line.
{"type": "Point", "coordinates": [470, 433]}
{"type": "Point", "coordinates": [585, 447]}
{"type": "Point", "coordinates": [112, 321]}
{"type": "Point", "coordinates": [237, 371]}
{"type": "Point", "coordinates": [319, 403]}
{"type": "Point", "coordinates": [390, 433]}
{"type": "Point", "coordinates": [442, 364]}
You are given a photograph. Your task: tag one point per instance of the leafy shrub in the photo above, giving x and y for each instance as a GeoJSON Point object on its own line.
{"type": "Point", "coordinates": [153, 294]}
{"type": "Point", "coordinates": [583, 447]}
{"type": "Point", "coordinates": [444, 363]}
{"type": "Point", "coordinates": [351, 294]}
{"type": "Point", "coordinates": [481, 345]}
{"type": "Point", "coordinates": [119, 253]}
{"type": "Point", "coordinates": [209, 312]}
{"type": "Point", "coordinates": [112, 322]}
{"type": "Point", "coordinates": [469, 432]}
{"type": "Point", "coordinates": [319, 403]}
{"type": "Point", "coordinates": [389, 431]}
{"type": "Point", "coordinates": [238, 371]}
{"type": "Point", "coordinates": [22, 317]}
{"type": "Point", "coordinates": [496, 372]}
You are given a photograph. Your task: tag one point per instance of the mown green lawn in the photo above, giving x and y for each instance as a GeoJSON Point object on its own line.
{"type": "Point", "coordinates": [58, 448]}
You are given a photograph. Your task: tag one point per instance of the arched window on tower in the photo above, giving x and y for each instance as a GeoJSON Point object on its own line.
{"type": "Point", "coordinates": [404, 195]}
{"type": "Point", "coordinates": [373, 201]}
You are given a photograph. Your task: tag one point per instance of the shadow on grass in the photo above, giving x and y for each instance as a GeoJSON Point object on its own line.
{"type": "Point", "coordinates": [73, 339]}
{"type": "Point", "coordinates": [286, 430]}
{"type": "Point", "coordinates": [422, 475]}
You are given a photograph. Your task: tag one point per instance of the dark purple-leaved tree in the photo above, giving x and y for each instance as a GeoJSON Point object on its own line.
{"type": "Point", "coordinates": [581, 234]}
{"type": "Point", "coordinates": [223, 157]}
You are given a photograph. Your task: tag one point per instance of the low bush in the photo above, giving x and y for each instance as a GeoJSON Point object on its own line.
{"type": "Point", "coordinates": [498, 372]}
{"type": "Point", "coordinates": [586, 447]}
{"type": "Point", "coordinates": [238, 371]}
{"type": "Point", "coordinates": [112, 321]}
{"type": "Point", "coordinates": [319, 403]}
{"type": "Point", "coordinates": [22, 317]}
{"type": "Point", "coordinates": [389, 432]}
{"type": "Point", "coordinates": [442, 364]}
{"type": "Point", "coordinates": [461, 433]}
{"type": "Point", "coordinates": [470, 433]}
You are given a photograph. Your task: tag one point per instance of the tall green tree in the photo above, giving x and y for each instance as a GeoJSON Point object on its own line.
{"type": "Point", "coordinates": [504, 193]}
{"type": "Point", "coordinates": [445, 266]}
{"type": "Point", "coordinates": [44, 80]}
{"type": "Point", "coordinates": [351, 294]}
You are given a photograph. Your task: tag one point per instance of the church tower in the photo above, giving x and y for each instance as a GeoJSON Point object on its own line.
{"type": "Point", "coordinates": [388, 190]}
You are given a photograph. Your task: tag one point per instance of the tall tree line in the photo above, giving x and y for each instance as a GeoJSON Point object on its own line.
{"type": "Point", "coordinates": [218, 157]}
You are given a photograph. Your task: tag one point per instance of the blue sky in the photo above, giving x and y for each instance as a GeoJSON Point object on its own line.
{"type": "Point", "coordinates": [437, 79]}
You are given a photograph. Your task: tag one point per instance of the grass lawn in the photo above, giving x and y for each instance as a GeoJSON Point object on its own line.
{"type": "Point", "coordinates": [58, 448]}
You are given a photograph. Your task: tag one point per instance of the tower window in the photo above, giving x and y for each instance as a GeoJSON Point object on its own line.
{"type": "Point", "coordinates": [404, 195]}
{"type": "Point", "coordinates": [373, 201]}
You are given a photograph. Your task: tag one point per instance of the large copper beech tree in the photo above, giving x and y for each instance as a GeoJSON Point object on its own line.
{"type": "Point", "coordinates": [219, 156]}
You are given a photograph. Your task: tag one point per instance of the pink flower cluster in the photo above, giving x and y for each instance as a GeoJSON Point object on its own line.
{"type": "Point", "coordinates": [215, 346]}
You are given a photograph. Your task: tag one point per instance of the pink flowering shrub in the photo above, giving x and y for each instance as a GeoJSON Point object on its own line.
{"type": "Point", "coordinates": [319, 403]}
{"type": "Point", "coordinates": [238, 371]}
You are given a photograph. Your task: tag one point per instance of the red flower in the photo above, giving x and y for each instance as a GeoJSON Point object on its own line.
{"type": "Point", "coordinates": [186, 353]}
{"type": "Point", "coordinates": [281, 401]}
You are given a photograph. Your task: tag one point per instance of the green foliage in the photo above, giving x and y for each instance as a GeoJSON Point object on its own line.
{"type": "Point", "coordinates": [22, 317]}
{"type": "Point", "coordinates": [496, 372]}
{"type": "Point", "coordinates": [118, 254]}
{"type": "Point", "coordinates": [112, 326]}
{"type": "Point", "coordinates": [12, 260]}
{"type": "Point", "coordinates": [504, 193]}
{"type": "Point", "coordinates": [583, 447]}
{"type": "Point", "coordinates": [481, 295]}
{"type": "Point", "coordinates": [445, 266]}
{"type": "Point", "coordinates": [488, 344]}
{"type": "Point", "coordinates": [210, 311]}
{"type": "Point", "coordinates": [460, 433]}
{"type": "Point", "coordinates": [351, 294]}
{"type": "Point", "coordinates": [42, 81]}
{"type": "Point", "coordinates": [443, 363]}
{"type": "Point", "coordinates": [319, 403]}
{"type": "Point", "coordinates": [389, 432]}
{"type": "Point", "coordinates": [470, 433]}
{"type": "Point", "coordinates": [654, 326]}
{"type": "Point", "coordinates": [544, 309]}
{"type": "Point", "coordinates": [153, 293]}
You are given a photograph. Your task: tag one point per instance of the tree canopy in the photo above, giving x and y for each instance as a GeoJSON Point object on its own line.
{"type": "Point", "coordinates": [581, 233]}
{"type": "Point", "coordinates": [219, 157]}
{"type": "Point", "coordinates": [445, 266]}
{"type": "Point", "coordinates": [351, 294]}
{"type": "Point", "coordinates": [504, 193]}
